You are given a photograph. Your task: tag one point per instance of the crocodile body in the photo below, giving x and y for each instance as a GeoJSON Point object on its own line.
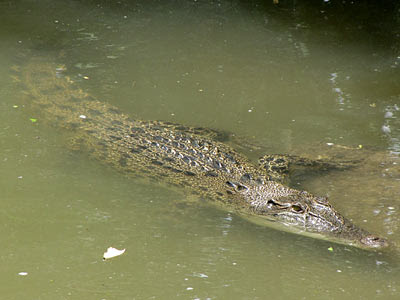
{"type": "Point", "coordinates": [184, 156]}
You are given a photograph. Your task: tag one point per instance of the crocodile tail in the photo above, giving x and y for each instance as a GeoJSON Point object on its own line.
{"type": "Point", "coordinates": [52, 94]}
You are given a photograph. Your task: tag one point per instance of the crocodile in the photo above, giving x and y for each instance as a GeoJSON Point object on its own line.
{"type": "Point", "coordinates": [197, 159]}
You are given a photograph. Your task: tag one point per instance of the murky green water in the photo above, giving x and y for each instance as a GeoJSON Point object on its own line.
{"type": "Point", "coordinates": [291, 78]}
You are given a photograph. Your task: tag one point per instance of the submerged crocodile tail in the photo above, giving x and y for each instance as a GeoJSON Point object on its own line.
{"type": "Point", "coordinates": [55, 95]}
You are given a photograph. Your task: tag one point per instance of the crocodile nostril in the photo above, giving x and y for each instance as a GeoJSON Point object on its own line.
{"type": "Point", "coordinates": [374, 241]}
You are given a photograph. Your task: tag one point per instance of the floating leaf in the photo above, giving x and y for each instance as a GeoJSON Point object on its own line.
{"type": "Point", "coordinates": [33, 120]}
{"type": "Point", "coordinates": [112, 252]}
{"type": "Point", "coordinates": [330, 249]}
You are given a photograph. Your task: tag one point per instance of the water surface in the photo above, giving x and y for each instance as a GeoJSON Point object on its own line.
{"type": "Point", "coordinates": [286, 79]}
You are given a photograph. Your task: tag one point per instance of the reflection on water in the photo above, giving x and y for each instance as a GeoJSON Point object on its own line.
{"type": "Point", "coordinates": [341, 97]}
{"type": "Point", "coordinates": [391, 128]}
{"type": "Point", "coordinates": [290, 77]}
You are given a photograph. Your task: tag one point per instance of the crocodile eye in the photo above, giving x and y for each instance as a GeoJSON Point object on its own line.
{"type": "Point", "coordinates": [297, 208]}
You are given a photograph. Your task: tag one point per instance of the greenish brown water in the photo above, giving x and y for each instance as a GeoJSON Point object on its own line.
{"type": "Point", "coordinates": [290, 78]}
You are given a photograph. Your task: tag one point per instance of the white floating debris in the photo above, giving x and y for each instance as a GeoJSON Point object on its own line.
{"type": "Point", "coordinates": [386, 128]}
{"type": "Point", "coordinates": [201, 275]}
{"type": "Point", "coordinates": [112, 252]}
{"type": "Point", "coordinates": [82, 117]}
{"type": "Point", "coordinates": [23, 273]}
{"type": "Point", "coordinates": [330, 144]}
{"type": "Point", "coordinates": [388, 114]}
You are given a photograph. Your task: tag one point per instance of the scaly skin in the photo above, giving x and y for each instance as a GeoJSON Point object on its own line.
{"type": "Point", "coordinates": [184, 156]}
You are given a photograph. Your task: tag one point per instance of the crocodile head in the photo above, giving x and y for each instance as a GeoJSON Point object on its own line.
{"type": "Point", "coordinates": [310, 215]}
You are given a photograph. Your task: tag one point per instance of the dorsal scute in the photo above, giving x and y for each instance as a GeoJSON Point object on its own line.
{"type": "Point", "coordinates": [276, 166]}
